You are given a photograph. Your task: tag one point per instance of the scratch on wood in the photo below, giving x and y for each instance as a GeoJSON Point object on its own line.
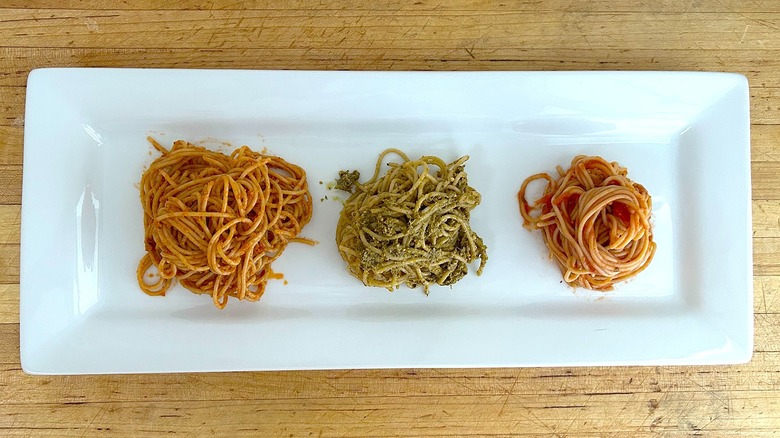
{"type": "Point", "coordinates": [98, 414]}
{"type": "Point", "coordinates": [508, 394]}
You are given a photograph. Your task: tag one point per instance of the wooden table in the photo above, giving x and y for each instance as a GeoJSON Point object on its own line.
{"type": "Point", "coordinates": [725, 35]}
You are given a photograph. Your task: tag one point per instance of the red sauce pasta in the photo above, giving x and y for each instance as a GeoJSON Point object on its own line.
{"type": "Point", "coordinates": [216, 222]}
{"type": "Point", "coordinates": [594, 220]}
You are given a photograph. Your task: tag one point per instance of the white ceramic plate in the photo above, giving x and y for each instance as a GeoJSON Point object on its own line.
{"type": "Point", "coordinates": [685, 136]}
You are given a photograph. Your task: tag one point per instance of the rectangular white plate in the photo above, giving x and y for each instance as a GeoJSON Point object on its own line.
{"type": "Point", "coordinates": [685, 136]}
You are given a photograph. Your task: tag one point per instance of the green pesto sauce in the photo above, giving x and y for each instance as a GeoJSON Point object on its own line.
{"type": "Point", "coordinates": [347, 181]}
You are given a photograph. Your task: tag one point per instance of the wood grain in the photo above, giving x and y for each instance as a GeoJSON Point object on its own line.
{"type": "Point", "coordinates": [9, 303]}
{"type": "Point", "coordinates": [759, 70]}
{"type": "Point", "coordinates": [480, 30]}
{"type": "Point", "coordinates": [668, 6]}
{"type": "Point", "coordinates": [10, 222]}
{"type": "Point", "coordinates": [724, 35]}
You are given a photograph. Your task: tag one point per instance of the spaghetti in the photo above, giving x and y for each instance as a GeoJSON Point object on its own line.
{"type": "Point", "coordinates": [410, 226]}
{"type": "Point", "coordinates": [216, 222]}
{"type": "Point", "coordinates": [595, 222]}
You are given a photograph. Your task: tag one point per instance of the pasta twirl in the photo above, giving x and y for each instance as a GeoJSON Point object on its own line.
{"type": "Point", "coordinates": [216, 222]}
{"type": "Point", "coordinates": [410, 226]}
{"type": "Point", "coordinates": [594, 220]}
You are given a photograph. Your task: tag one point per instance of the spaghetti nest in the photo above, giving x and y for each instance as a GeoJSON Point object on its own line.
{"type": "Point", "coordinates": [595, 222]}
{"type": "Point", "coordinates": [411, 225]}
{"type": "Point", "coordinates": [216, 222]}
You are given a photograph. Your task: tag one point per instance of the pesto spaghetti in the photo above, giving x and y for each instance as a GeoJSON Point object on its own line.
{"type": "Point", "coordinates": [411, 225]}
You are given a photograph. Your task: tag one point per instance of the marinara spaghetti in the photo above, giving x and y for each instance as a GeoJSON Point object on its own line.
{"type": "Point", "coordinates": [215, 222]}
{"type": "Point", "coordinates": [594, 220]}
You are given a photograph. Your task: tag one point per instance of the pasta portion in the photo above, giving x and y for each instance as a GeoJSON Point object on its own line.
{"type": "Point", "coordinates": [411, 225]}
{"type": "Point", "coordinates": [216, 222]}
{"type": "Point", "coordinates": [594, 220]}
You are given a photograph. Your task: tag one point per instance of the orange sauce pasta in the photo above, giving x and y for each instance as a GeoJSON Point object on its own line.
{"type": "Point", "coordinates": [215, 222]}
{"type": "Point", "coordinates": [594, 220]}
